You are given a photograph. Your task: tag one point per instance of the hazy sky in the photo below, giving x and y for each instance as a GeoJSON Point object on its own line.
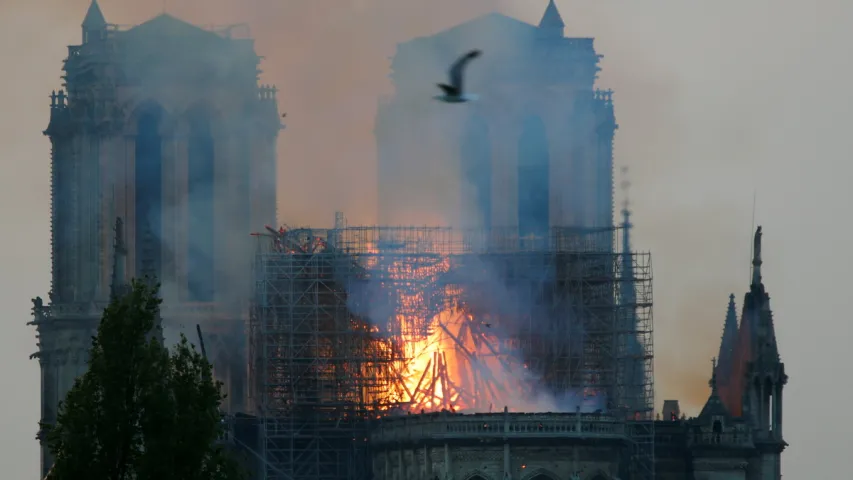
{"type": "Point", "coordinates": [715, 101]}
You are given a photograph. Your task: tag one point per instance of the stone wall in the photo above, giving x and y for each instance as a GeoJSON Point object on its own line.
{"type": "Point", "coordinates": [498, 447]}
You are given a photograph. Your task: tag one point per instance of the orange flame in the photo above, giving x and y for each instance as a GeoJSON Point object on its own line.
{"type": "Point", "coordinates": [451, 360]}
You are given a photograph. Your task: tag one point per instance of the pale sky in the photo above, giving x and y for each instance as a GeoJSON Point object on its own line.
{"type": "Point", "coordinates": [715, 100]}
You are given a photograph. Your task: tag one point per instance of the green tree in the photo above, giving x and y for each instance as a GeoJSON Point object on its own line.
{"type": "Point", "coordinates": [140, 412]}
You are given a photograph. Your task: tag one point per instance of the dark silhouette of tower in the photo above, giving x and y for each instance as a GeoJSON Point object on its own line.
{"type": "Point", "coordinates": [751, 375]}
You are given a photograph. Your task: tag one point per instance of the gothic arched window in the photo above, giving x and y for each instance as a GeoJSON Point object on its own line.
{"type": "Point", "coordinates": [148, 188]}
{"type": "Point", "coordinates": [533, 179]}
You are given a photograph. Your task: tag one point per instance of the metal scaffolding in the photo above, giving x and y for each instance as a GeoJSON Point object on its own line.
{"type": "Point", "coordinates": [354, 323]}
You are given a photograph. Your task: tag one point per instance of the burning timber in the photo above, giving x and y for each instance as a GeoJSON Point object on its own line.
{"type": "Point", "coordinates": [355, 324]}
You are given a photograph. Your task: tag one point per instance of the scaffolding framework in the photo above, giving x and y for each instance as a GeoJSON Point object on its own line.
{"type": "Point", "coordinates": [337, 312]}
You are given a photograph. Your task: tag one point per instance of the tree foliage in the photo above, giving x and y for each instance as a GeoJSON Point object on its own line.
{"type": "Point", "coordinates": [141, 411]}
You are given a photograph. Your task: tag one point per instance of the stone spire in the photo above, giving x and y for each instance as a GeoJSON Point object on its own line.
{"type": "Point", "coordinates": [552, 22]}
{"type": "Point", "coordinates": [757, 315]}
{"type": "Point", "coordinates": [763, 376]}
{"type": "Point", "coordinates": [628, 293]}
{"type": "Point", "coordinates": [713, 381]}
{"type": "Point", "coordinates": [94, 23]}
{"type": "Point", "coordinates": [728, 341]}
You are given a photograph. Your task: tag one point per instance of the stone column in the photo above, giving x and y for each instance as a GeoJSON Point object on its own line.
{"type": "Point", "coordinates": [426, 469]}
{"type": "Point", "coordinates": [223, 201]}
{"type": "Point", "coordinates": [606, 153]}
{"type": "Point", "coordinates": [108, 164]}
{"type": "Point", "coordinates": [559, 161]}
{"type": "Point", "coordinates": [263, 181]}
{"type": "Point", "coordinates": [507, 461]}
{"type": "Point", "coordinates": [388, 472]}
{"type": "Point", "coordinates": [504, 135]}
{"type": "Point", "coordinates": [126, 195]}
{"type": "Point", "coordinates": [49, 399]}
{"type": "Point", "coordinates": [777, 410]}
{"type": "Point", "coordinates": [448, 472]}
{"type": "Point", "coordinates": [180, 234]}
{"type": "Point", "coordinates": [168, 212]}
{"type": "Point", "coordinates": [575, 458]}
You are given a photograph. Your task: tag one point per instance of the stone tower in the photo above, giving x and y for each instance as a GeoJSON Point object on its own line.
{"type": "Point", "coordinates": [753, 376]}
{"type": "Point", "coordinates": [535, 151]}
{"type": "Point", "coordinates": [164, 125]}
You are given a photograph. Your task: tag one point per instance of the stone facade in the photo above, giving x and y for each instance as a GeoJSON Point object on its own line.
{"type": "Point", "coordinates": [165, 126]}
{"type": "Point", "coordinates": [504, 446]}
{"type": "Point", "coordinates": [536, 151]}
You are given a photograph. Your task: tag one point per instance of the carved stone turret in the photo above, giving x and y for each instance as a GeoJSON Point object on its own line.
{"type": "Point", "coordinates": [94, 24]}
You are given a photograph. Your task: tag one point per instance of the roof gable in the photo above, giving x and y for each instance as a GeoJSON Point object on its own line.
{"type": "Point", "coordinates": [166, 26]}
{"type": "Point", "coordinates": [486, 28]}
{"type": "Point", "coordinates": [714, 407]}
{"type": "Point", "coordinates": [494, 22]}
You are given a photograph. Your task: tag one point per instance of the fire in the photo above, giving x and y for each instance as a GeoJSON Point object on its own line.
{"type": "Point", "coordinates": [454, 367]}
{"type": "Point", "coordinates": [432, 350]}
{"type": "Point", "coordinates": [451, 359]}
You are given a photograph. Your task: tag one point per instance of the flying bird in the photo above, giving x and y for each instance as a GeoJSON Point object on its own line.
{"type": "Point", "coordinates": [454, 92]}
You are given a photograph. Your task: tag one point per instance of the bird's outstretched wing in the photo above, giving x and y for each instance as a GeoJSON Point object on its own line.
{"type": "Point", "coordinates": [458, 68]}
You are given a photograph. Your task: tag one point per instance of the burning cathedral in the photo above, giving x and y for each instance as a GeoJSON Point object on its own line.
{"type": "Point", "coordinates": [514, 343]}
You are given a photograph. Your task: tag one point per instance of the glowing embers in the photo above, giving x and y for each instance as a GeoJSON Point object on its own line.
{"type": "Point", "coordinates": [456, 366]}
{"type": "Point", "coordinates": [450, 359]}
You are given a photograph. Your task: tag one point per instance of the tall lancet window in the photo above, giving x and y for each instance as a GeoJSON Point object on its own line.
{"type": "Point", "coordinates": [200, 191]}
{"type": "Point", "coordinates": [149, 190]}
{"type": "Point", "coordinates": [533, 167]}
{"type": "Point", "coordinates": [476, 164]}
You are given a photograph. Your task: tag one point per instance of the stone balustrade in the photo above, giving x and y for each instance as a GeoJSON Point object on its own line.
{"type": "Point", "coordinates": [443, 426]}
